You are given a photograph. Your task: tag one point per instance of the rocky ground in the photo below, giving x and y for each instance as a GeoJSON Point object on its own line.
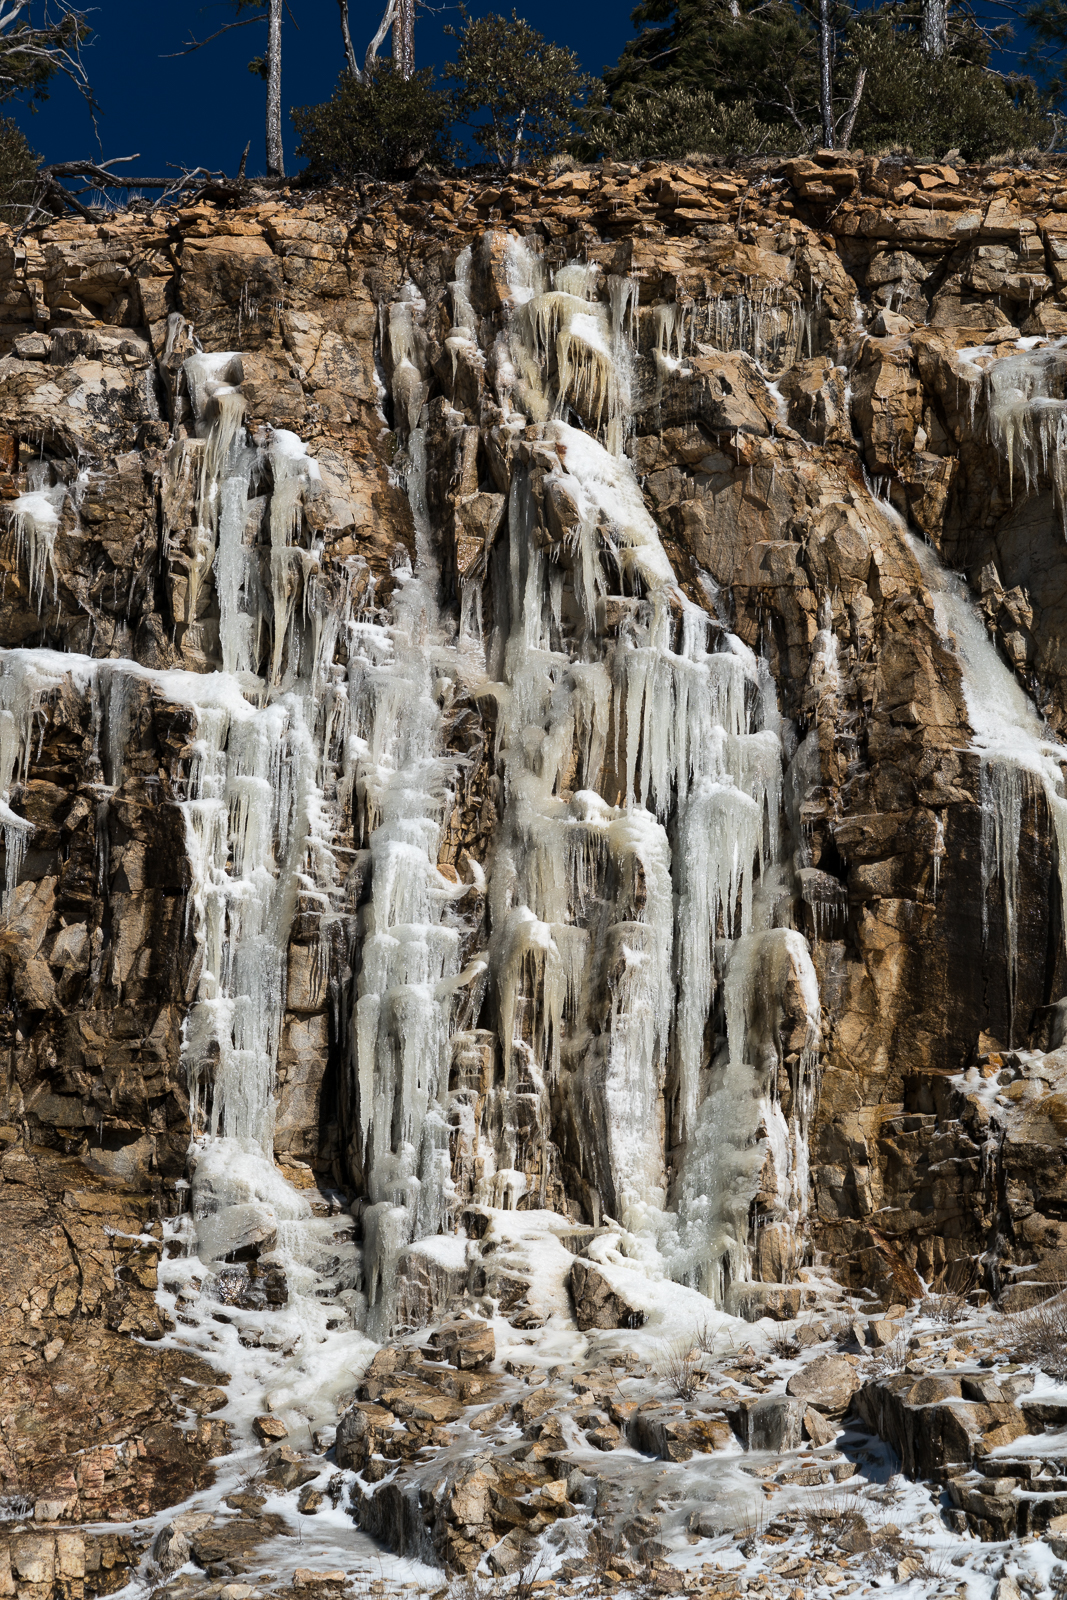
{"type": "Point", "coordinates": [913, 1452]}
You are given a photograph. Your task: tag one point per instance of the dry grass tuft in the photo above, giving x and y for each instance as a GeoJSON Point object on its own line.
{"type": "Point", "coordinates": [947, 1301]}
{"type": "Point", "coordinates": [784, 1345]}
{"type": "Point", "coordinates": [834, 1519]}
{"type": "Point", "coordinates": [524, 1585]}
{"type": "Point", "coordinates": [890, 1359]}
{"type": "Point", "coordinates": [705, 1340]}
{"type": "Point", "coordinates": [1040, 1334]}
{"type": "Point", "coordinates": [681, 1369]}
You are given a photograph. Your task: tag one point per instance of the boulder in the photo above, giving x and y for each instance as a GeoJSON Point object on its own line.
{"type": "Point", "coordinates": [170, 1547]}
{"type": "Point", "coordinates": [825, 1384]}
{"type": "Point", "coordinates": [360, 1433]}
{"type": "Point", "coordinates": [288, 1469]}
{"type": "Point", "coordinates": [774, 1423]}
{"type": "Point", "coordinates": [676, 1435]}
{"type": "Point", "coordinates": [597, 1304]}
{"type": "Point", "coordinates": [817, 1428]}
{"type": "Point", "coordinates": [931, 1426]}
{"type": "Point", "coordinates": [269, 1429]}
{"type": "Point", "coordinates": [467, 1344]}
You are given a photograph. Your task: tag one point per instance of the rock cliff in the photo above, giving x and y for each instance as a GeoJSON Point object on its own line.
{"type": "Point", "coordinates": [531, 786]}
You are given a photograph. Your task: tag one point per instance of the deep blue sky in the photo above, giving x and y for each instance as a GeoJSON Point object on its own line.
{"type": "Point", "coordinates": [201, 110]}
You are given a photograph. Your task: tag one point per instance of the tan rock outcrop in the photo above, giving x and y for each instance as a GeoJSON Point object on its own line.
{"type": "Point", "coordinates": [802, 376]}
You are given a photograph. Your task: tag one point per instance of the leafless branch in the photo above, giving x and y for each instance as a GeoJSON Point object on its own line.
{"type": "Point", "coordinates": [853, 108]}
{"type": "Point", "coordinates": [30, 54]}
{"type": "Point", "coordinates": [52, 197]}
{"type": "Point", "coordinates": [198, 44]}
{"type": "Point", "coordinates": [376, 43]}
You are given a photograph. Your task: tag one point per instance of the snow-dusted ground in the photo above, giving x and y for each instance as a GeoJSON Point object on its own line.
{"type": "Point", "coordinates": [730, 1522]}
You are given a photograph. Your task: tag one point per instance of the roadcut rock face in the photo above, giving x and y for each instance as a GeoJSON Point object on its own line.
{"type": "Point", "coordinates": [534, 846]}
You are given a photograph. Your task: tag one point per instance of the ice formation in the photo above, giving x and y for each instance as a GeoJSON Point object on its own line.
{"type": "Point", "coordinates": [1024, 398]}
{"type": "Point", "coordinates": [1017, 756]}
{"type": "Point", "coordinates": [1027, 408]}
{"type": "Point", "coordinates": [35, 521]}
{"type": "Point", "coordinates": [629, 950]}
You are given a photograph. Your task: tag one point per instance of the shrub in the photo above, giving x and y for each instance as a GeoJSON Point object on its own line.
{"type": "Point", "coordinates": [681, 1369]}
{"type": "Point", "coordinates": [18, 172]}
{"type": "Point", "coordinates": [947, 1301]}
{"type": "Point", "coordinates": [387, 127]}
{"type": "Point", "coordinates": [672, 122]}
{"type": "Point", "coordinates": [930, 106]}
{"type": "Point", "coordinates": [1041, 1335]}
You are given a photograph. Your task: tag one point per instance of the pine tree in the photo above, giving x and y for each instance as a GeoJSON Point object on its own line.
{"type": "Point", "coordinates": [759, 53]}
{"type": "Point", "coordinates": [36, 44]}
{"type": "Point", "coordinates": [914, 72]}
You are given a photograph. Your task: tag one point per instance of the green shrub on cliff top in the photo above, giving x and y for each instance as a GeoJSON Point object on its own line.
{"type": "Point", "coordinates": [741, 77]}
{"type": "Point", "coordinates": [930, 107]}
{"type": "Point", "coordinates": [677, 121]}
{"type": "Point", "coordinates": [18, 173]}
{"type": "Point", "coordinates": [518, 93]}
{"type": "Point", "coordinates": [386, 128]}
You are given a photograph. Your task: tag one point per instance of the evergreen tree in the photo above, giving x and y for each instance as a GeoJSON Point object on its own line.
{"type": "Point", "coordinates": [18, 173]}
{"type": "Point", "coordinates": [1047, 20]}
{"type": "Point", "coordinates": [36, 43]}
{"type": "Point", "coordinates": [761, 53]}
{"type": "Point", "coordinates": [913, 74]}
{"type": "Point", "coordinates": [931, 104]}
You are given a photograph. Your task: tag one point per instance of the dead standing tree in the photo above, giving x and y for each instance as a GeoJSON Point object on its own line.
{"type": "Point", "coordinates": [398, 15]}
{"type": "Point", "coordinates": [933, 32]}
{"type": "Point", "coordinates": [404, 37]}
{"type": "Point", "coordinates": [268, 67]}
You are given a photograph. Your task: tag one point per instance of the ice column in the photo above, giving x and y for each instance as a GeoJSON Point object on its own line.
{"type": "Point", "coordinates": [1017, 756]}
{"type": "Point", "coordinates": [402, 782]}
{"type": "Point", "coordinates": [28, 676]}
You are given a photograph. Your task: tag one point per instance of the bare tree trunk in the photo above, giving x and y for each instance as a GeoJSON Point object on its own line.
{"type": "Point", "coordinates": [346, 35]}
{"type": "Point", "coordinates": [853, 108]}
{"type": "Point", "coordinates": [388, 18]}
{"type": "Point", "coordinates": [933, 34]}
{"type": "Point", "coordinates": [516, 149]}
{"type": "Point", "coordinates": [275, 150]}
{"type": "Point", "coordinates": [404, 37]}
{"type": "Point", "coordinates": [826, 83]}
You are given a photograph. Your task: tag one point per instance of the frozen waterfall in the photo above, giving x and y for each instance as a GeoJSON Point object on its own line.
{"type": "Point", "coordinates": [615, 952]}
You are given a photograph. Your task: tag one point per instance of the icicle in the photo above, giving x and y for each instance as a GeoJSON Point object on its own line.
{"type": "Point", "coordinates": [1028, 417]}
{"type": "Point", "coordinates": [26, 678]}
{"type": "Point", "coordinates": [1016, 754]}
{"type": "Point", "coordinates": [35, 522]}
